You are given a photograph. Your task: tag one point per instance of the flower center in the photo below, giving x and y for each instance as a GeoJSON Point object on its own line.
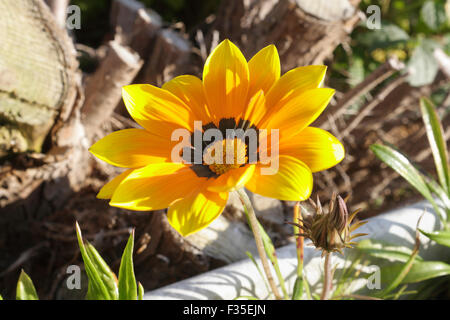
{"type": "Point", "coordinates": [224, 155]}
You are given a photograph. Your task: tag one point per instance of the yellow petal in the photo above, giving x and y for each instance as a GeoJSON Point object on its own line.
{"type": "Point", "coordinates": [226, 81]}
{"type": "Point", "coordinates": [298, 112]}
{"type": "Point", "coordinates": [295, 82]}
{"type": "Point", "coordinates": [292, 181]}
{"type": "Point", "coordinates": [157, 110]}
{"type": "Point", "coordinates": [317, 148]}
{"type": "Point", "coordinates": [190, 90]}
{"type": "Point", "coordinates": [256, 109]}
{"type": "Point", "coordinates": [155, 187]}
{"type": "Point", "coordinates": [132, 148]}
{"type": "Point", "coordinates": [232, 180]}
{"type": "Point", "coordinates": [264, 70]}
{"type": "Point", "coordinates": [197, 211]}
{"type": "Point", "coordinates": [108, 189]}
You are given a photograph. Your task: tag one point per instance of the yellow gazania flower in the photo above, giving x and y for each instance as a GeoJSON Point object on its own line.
{"type": "Point", "coordinates": [232, 94]}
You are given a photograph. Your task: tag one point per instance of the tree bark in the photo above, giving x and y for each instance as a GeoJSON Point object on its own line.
{"type": "Point", "coordinates": [305, 32]}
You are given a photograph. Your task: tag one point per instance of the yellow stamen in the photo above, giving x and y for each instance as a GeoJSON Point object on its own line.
{"type": "Point", "coordinates": [224, 155]}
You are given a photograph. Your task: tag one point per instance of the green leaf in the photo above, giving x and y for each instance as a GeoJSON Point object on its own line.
{"type": "Point", "coordinates": [140, 291]}
{"type": "Point", "coordinates": [106, 275]}
{"type": "Point", "coordinates": [246, 297]}
{"type": "Point", "coordinates": [298, 288]}
{"type": "Point", "coordinates": [438, 191]}
{"type": "Point", "coordinates": [382, 250]}
{"type": "Point", "coordinates": [441, 237]}
{"type": "Point", "coordinates": [25, 288]}
{"type": "Point", "coordinates": [127, 280]}
{"type": "Point", "coordinates": [420, 271]}
{"type": "Point", "coordinates": [356, 71]}
{"type": "Point", "coordinates": [389, 35]}
{"type": "Point", "coordinates": [269, 248]}
{"type": "Point", "coordinates": [433, 14]}
{"type": "Point", "coordinates": [250, 256]}
{"type": "Point", "coordinates": [422, 66]}
{"type": "Point", "coordinates": [97, 289]}
{"type": "Point", "coordinates": [403, 167]}
{"type": "Point", "coordinates": [437, 142]}
{"type": "Point", "coordinates": [400, 274]}
{"type": "Point", "coordinates": [1, 298]}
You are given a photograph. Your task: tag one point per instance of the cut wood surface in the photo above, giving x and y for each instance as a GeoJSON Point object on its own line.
{"type": "Point", "coordinates": [37, 67]}
{"type": "Point", "coordinates": [104, 88]}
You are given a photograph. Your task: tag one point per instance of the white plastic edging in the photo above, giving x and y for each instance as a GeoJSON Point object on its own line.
{"type": "Point", "coordinates": [242, 278]}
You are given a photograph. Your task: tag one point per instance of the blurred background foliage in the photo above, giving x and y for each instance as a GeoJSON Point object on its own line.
{"type": "Point", "coordinates": [410, 30]}
{"type": "Point", "coordinates": [95, 15]}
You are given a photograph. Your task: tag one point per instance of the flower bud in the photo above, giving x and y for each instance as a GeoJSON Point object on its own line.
{"type": "Point", "coordinates": [330, 231]}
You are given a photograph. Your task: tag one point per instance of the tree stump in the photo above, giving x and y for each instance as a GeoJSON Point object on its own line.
{"type": "Point", "coordinates": [38, 81]}
{"type": "Point", "coordinates": [305, 32]}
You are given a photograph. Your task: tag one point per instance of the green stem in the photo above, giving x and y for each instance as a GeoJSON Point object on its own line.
{"type": "Point", "coordinates": [253, 221]}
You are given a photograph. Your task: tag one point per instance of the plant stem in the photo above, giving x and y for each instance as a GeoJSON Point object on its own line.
{"type": "Point", "coordinates": [300, 282]}
{"type": "Point", "coordinates": [300, 240]}
{"type": "Point", "coordinates": [327, 278]}
{"type": "Point", "coordinates": [258, 239]}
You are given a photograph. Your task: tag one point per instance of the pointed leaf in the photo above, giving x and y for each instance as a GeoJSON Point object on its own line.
{"type": "Point", "coordinates": [250, 256]}
{"type": "Point", "coordinates": [437, 142]}
{"type": "Point", "coordinates": [381, 250]}
{"type": "Point", "coordinates": [107, 276]}
{"type": "Point", "coordinates": [97, 290]}
{"type": "Point", "coordinates": [438, 191]}
{"type": "Point", "coordinates": [441, 237]}
{"type": "Point", "coordinates": [25, 288]}
{"type": "Point", "coordinates": [404, 167]}
{"type": "Point", "coordinates": [127, 280]}
{"type": "Point", "coordinates": [298, 289]}
{"type": "Point", "coordinates": [420, 271]}
{"type": "Point", "coordinates": [246, 297]}
{"type": "Point", "coordinates": [140, 291]}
